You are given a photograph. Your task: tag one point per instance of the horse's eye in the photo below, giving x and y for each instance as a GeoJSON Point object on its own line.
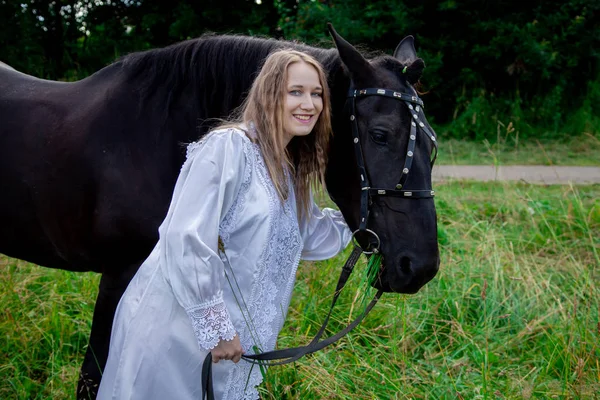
{"type": "Point", "coordinates": [379, 137]}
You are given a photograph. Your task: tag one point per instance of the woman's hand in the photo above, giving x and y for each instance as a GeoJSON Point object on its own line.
{"type": "Point", "coordinates": [228, 350]}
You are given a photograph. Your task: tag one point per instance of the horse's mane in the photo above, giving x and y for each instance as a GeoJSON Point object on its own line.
{"type": "Point", "coordinates": [219, 67]}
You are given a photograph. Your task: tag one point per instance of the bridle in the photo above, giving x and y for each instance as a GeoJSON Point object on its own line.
{"type": "Point", "coordinates": [368, 193]}
{"type": "Point", "coordinates": [286, 356]}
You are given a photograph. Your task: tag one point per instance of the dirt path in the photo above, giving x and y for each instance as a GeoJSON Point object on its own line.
{"type": "Point", "coordinates": [525, 173]}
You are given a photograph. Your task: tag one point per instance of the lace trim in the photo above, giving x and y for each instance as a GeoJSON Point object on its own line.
{"type": "Point", "coordinates": [193, 146]}
{"type": "Point", "coordinates": [230, 220]}
{"type": "Point", "coordinates": [211, 324]}
{"type": "Point", "coordinates": [271, 290]}
{"type": "Point", "coordinates": [243, 381]}
{"type": "Point", "coordinates": [191, 149]}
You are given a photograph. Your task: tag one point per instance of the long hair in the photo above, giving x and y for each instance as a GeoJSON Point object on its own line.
{"type": "Point", "coordinates": [306, 156]}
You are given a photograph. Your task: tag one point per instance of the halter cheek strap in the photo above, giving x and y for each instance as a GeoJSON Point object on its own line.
{"type": "Point", "coordinates": [418, 123]}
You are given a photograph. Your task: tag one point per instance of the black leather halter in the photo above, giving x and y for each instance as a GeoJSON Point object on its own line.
{"type": "Point", "coordinates": [418, 123]}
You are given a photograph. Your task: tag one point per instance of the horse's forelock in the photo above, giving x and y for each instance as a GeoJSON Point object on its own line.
{"type": "Point", "coordinates": [389, 63]}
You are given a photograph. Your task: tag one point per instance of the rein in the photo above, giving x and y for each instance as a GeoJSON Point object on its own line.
{"type": "Point", "coordinates": [289, 355]}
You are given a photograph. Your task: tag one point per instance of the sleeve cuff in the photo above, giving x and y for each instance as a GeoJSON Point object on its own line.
{"type": "Point", "coordinates": [211, 324]}
{"type": "Point", "coordinates": [338, 218]}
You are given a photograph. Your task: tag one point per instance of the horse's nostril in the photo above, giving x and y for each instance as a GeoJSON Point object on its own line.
{"type": "Point", "coordinates": [405, 265]}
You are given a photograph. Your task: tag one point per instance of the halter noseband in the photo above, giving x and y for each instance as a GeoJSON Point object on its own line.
{"type": "Point", "coordinates": [418, 122]}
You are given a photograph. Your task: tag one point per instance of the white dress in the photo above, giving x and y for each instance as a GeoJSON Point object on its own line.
{"type": "Point", "coordinates": [186, 296]}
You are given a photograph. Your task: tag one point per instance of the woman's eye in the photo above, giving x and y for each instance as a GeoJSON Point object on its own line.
{"type": "Point", "coordinates": [295, 93]}
{"type": "Point", "coordinates": [317, 94]}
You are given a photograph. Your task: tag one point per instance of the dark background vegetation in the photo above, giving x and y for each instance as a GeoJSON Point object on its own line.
{"type": "Point", "coordinates": [495, 69]}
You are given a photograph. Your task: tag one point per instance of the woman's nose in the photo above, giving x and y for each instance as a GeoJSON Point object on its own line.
{"type": "Point", "coordinates": [307, 103]}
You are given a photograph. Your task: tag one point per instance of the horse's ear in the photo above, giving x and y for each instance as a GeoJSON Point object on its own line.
{"type": "Point", "coordinates": [407, 55]}
{"type": "Point", "coordinates": [352, 59]}
{"type": "Point", "coordinates": [405, 51]}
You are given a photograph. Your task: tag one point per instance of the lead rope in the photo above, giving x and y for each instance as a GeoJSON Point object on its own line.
{"type": "Point", "coordinates": [289, 355]}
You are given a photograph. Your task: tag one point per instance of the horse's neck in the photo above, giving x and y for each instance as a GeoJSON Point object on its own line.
{"type": "Point", "coordinates": [188, 101]}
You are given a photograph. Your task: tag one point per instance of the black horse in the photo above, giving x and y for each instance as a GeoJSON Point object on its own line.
{"type": "Point", "coordinates": [87, 168]}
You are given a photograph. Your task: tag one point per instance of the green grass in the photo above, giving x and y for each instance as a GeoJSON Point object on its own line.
{"type": "Point", "coordinates": [583, 150]}
{"type": "Point", "coordinates": [512, 314]}
{"type": "Point", "coordinates": [45, 319]}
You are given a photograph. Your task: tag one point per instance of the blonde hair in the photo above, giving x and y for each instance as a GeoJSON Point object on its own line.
{"type": "Point", "coordinates": [264, 108]}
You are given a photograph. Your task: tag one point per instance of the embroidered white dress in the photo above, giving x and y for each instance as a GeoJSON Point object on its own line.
{"type": "Point", "coordinates": [187, 296]}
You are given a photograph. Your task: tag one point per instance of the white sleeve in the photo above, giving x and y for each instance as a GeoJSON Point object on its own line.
{"type": "Point", "coordinates": [325, 233]}
{"type": "Point", "coordinates": [207, 185]}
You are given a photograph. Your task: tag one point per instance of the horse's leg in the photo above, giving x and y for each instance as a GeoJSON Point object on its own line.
{"type": "Point", "coordinates": [112, 287]}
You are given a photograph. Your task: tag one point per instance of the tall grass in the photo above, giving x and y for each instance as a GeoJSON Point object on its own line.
{"type": "Point", "coordinates": [45, 320]}
{"type": "Point", "coordinates": [513, 313]}
{"type": "Point", "coordinates": [580, 150]}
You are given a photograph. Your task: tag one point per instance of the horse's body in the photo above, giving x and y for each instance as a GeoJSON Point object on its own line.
{"type": "Point", "coordinates": [87, 168]}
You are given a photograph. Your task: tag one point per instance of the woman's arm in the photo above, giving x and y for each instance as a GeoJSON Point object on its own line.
{"type": "Point", "coordinates": [208, 184]}
{"type": "Point", "coordinates": [325, 233]}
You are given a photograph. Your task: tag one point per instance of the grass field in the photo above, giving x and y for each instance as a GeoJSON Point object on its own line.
{"type": "Point", "coordinates": [582, 150]}
{"type": "Point", "coordinates": [513, 313]}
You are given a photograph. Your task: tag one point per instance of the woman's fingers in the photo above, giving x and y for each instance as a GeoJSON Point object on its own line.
{"type": "Point", "coordinates": [228, 350]}
{"type": "Point", "coordinates": [237, 357]}
{"type": "Point", "coordinates": [220, 355]}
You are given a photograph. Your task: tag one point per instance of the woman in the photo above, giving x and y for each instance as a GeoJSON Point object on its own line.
{"type": "Point", "coordinates": [221, 275]}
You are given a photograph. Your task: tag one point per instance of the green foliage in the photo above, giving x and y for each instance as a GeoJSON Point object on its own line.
{"type": "Point", "coordinates": [533, 65]}
{"type": "Point", "coordinates": [369, 23]}
{"type": "Point", "coordinates": [587, 117]}
{"type": "Point", "coordinates": [547, 116]}
{"type": "Point", "coordinates": [527, 64]}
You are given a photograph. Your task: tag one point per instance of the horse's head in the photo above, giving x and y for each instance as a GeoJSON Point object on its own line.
{"type": "Point", "coordinates": [388, 200]}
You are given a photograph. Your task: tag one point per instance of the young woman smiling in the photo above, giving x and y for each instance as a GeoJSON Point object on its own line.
{"type": "Point", "coordinates": [241, 217]}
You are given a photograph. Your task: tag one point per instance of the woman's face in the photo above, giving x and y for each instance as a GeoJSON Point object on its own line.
{"type": "Point", "coordinates": [303, 100]}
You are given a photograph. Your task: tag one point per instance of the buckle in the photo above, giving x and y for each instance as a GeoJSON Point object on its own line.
{"type": "Point", "coordinates": [370, 249]}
